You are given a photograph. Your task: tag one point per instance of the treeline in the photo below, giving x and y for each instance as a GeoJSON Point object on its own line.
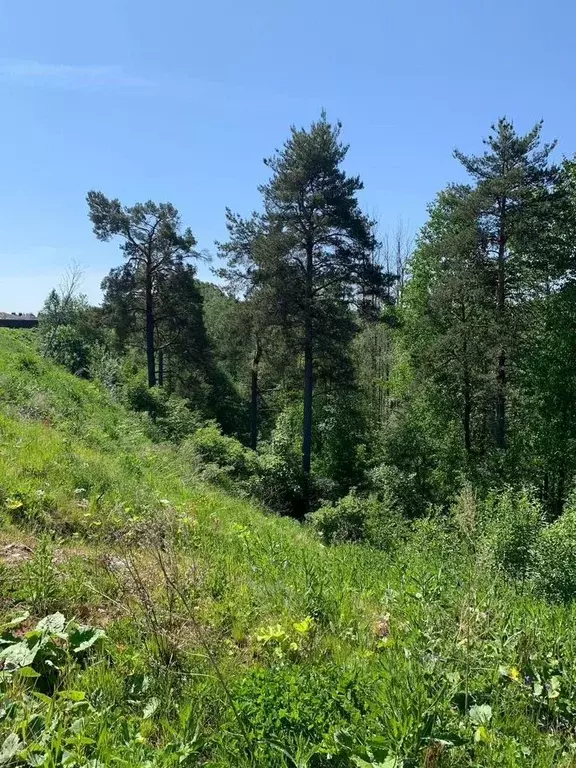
{"type": "Point", "coordinates": [330, 361]}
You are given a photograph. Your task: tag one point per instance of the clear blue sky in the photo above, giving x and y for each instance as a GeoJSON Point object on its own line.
{"type": "Point", "coordinates": [181, 100]}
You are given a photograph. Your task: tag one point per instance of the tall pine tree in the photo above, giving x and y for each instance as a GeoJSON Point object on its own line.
{"type": "Point", "coordinates": [513, 181]}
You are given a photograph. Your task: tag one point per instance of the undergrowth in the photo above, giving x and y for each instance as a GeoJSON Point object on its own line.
{"type": "Point", "coordinates": [149, 620]}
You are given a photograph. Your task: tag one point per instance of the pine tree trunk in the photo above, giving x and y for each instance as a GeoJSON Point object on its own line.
{"type": "Point", "coordinates": [501, 383]}
{"type": "Point", "coordinates": [160, 368]}
{"type": "Point", "coordinates": [308, 379]}
{"type": "Point", "coordinates": [467, 392]}
{"type": "Point", "coordinates": [467, 415]}
{"type": "Point", "coordinates": [308, 389]}
{"type": "Point", "coordinates": [150, 332]}
{"type": "Point", "coordinates": [254, 396]}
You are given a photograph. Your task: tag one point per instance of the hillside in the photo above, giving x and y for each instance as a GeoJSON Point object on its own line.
{"type": "Point", "coordinates": [191, 628]}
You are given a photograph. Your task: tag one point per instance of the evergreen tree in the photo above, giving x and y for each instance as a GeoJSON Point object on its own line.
{"type": "Point", "coordinates": [314, 255]}
{"type": "Point", "coordinates": [513, 183]}
{"type": "Point", "coordinates": [154, 247]}
{"type": "Point", "coordinates": [450, 323]}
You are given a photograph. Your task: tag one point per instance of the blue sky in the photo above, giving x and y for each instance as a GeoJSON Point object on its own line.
{"type": "Point", "coordinates": [181, 100]}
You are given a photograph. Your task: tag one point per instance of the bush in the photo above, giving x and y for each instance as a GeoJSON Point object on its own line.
{"type": "Point", "coordinates": [138, 396]}
{"type": "Point", "coordinates": [357, 518]}
{"type": "Point", "coordinates": [280, 481]}
{"type": "Point", "coordinates": [177, 420]}
{"type": "Point", "coordinates": [171, 416]}
{"type": "Point", "coordinates": [68, 329]}
{"type": "Point", "coordinates": [386, 481]}
{"type": "Point", "coordinates": [67, 347]}
{"type": "Point", "coordinates": [105, 367]}
{"type": "Point", "coordinates": [220, 457]}
{"type": "Point", "coordinates": [555, 558]}
{"type": "Point", "coordinates": [510, 524]}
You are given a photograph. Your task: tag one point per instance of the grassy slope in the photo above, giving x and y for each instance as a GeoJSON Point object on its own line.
{"type": "Point", "coordinates": [258, 642]}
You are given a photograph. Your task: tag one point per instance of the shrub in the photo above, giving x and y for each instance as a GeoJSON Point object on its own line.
{"type": "Point", "coordinates": [387, 481]}
{"type": "Point", "coordinates": [171, 417]}
{"type": "Point", "coordinates": [510, 523]}
{"type": "Point", "coordinates": [67, 347]}
{"type": "Point", "coordinates": [220, 456]}
{"type": "Point", "coordinates": [555, 558]}
{"type": "Point", "coordinates": [280, 482]}
{"type": "Point", "coordinates": [358, 518]}
{"type": "Point", "coordinates": [105, 367]}
{"type": "Point", "coordinates": [138, 396]}
{"type": "Point", "coordinates": [177, 420]}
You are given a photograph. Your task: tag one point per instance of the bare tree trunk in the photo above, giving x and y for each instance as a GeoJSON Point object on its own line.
{"type": "Point", "coordinates": [501, 374]}
{"type": "Point", "coordinates": [160, 368]}
{"type": "Point", "coordinates": [467, 414]}
{"type": "Point", "coordinates": [150, 331]}
{"type": "Point", "coordinates": [308, 380]}
{"type": "Point", "coordinates": [254, 396]}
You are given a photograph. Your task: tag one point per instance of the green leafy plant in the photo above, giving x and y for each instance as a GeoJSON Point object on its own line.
{"type": "Point", "coordinates": [40, 586]}
{"type": "Point", "coordinates": [510, 523]}
{"type": "Point", "coordinates": [41, 653]}
{"type": "Point", "coordinates": [555, 558]}
{"type": "Point", "coordinates": [360, 518]}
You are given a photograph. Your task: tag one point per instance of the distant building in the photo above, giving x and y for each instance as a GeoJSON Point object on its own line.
{"type": "Point", "coordinates": [17, 320]}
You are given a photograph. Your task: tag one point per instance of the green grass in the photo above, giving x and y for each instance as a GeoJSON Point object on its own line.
{"type": "Point", "coordinates": [234, 637]}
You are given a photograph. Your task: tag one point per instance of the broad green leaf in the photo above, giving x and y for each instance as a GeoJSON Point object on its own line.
{"type": "Point", "coordinates": [18, 655]}
{"type": "Point", "coordinates": [15, 622]}
{"type": "Point", "coordinates": [481, 736]}
{"type": "Point", "coordinates": [28, 672]}
{"type": "Point", "coordinates": [72, 695]}
{"type": "Point", "coordinates": [344, 739]}
{"type": "Point", "coordinates": [9, 749]}
{"type": "Point", "coordinates": [54, 623]}
{"type": "Point", "coordinates": [150, 708]}
{"type": "Point", "coordinates": [43, 698]}
{"type": "Point", "coordinates": [480, 714]}
{"type": "Point", "coordinates": [82, 638]}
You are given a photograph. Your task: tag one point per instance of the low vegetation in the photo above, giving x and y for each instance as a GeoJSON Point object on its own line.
{"type": "Point", "coordinates": [149, 619]}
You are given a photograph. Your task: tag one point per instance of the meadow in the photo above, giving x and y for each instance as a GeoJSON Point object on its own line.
{"type": "Point", "coordinates": [148, 619]}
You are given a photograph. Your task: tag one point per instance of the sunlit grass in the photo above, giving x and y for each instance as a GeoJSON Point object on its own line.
{"type": "Point", "coordinates": [256, 645]}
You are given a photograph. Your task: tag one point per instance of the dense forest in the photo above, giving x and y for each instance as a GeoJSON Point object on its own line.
{"type": "Point", "coordinates": [329, 358]}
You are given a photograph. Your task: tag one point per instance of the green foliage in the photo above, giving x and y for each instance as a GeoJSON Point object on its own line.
{"type": "Point", "coordinates": [40, 586]}
{"type": "Point", "coordinates": [511, 522]}
{"type": "Point", "coordinates": [42, 653]}
{"type": "Point", "coordinates": [68, 330]}
{"type": "Point", "coordinates": [281, 481]}
{"type": "Point", "coordinates": [298, 709]}
{"type": "Point", "coordinates": [400, 487]}
{"type": "Point", "coordinates": [360, 518]}
{"type": "Point", "coordinates": [218, 457]}
{"type": "Point", "coordinates": [68, 347]}
{"type": "Point", "coordinates": [171, 417]}
{"type": "Point", "coordinates": [555, 558]}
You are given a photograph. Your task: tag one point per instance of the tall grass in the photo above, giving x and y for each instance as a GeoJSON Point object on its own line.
{"type": "Point", "coordinates": [235, 637]}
